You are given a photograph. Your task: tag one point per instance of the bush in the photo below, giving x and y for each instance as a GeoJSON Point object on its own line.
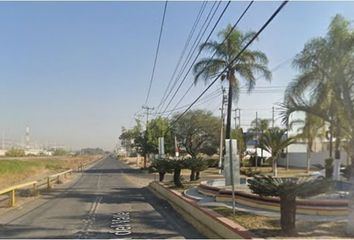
{"type": "Point", "coordinates": [15, 152]}
{"type": "Point", "coordinates": [212, 162]}
{"type": "Point", "coordinates": [250, 172]}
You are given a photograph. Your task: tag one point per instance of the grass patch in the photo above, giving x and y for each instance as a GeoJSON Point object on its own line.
{"type": "Point", "coordinates": [261, 226]}
{"type": "Point", "coordinates": [267, 227]}
{"type": "Point", "coordinates": [17, 170]}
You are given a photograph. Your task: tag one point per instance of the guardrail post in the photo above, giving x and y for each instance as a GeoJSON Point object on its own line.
{"type": "Point", "coordinates": [12, 198]}
{"type": "Point", "coordinates": [34, 189]}
{"type": "Point", "coordinates": [48, 183]}
{"type": "Point", "coordinates": [58, 179]}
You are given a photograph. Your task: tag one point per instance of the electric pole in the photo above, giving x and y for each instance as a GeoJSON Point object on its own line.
{"type": "Point", "coordinates": [148, 111]}
{"type": "Point", "coordinates": [237, 117]}
{"type": "Point", "coordinates": [257, 139]}
{"type": "Point", "coordinates": [221, 150]}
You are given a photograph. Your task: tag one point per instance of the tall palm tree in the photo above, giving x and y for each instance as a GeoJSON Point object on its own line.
{"type": "Point", "coordinates": [327, 76]}
{"type": "Point", "coordinates": [274, 141]}
{"type": "Point", "coordinates": [247, 66]}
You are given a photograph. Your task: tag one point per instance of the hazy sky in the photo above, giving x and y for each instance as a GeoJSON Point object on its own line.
{"type": "Point", "coordinates": [76, 72]}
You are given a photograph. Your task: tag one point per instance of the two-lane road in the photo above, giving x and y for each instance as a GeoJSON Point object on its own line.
{"type": "Point", "coordinates": [106, 194]}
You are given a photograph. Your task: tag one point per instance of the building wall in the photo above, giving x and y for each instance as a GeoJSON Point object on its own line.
{"type": "Point", "coordinates": [298, 159]}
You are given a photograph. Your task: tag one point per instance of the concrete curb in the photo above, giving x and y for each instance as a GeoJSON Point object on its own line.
{"type": "Point", "coordinates": [206, 221]}
{"type": "Point", "coordinates": [306, 207]}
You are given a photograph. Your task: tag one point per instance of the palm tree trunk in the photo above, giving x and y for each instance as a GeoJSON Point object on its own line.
{"type": "Point", "coordinates": [274, 167]}
{"type": "Point", "coordinates": [288, 214]}
{"type": "Point", "coordinates": [229, 109]}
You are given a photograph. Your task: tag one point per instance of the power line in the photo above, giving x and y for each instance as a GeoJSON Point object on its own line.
{"type": "Point", "coordinates": [196, 57]}
{"type": "Point", "coordinates": [227, 36]}
{"type": "Point", "coordinates": [238, 55]}
{"type": "Point", "coordinates": [207, 98]}
{"type": "Point", "coordinates": [194, 46]}
{"type": "Point", "coordinates": [157, 53]}
{"type": "Point", "coordinates": [189, 38]}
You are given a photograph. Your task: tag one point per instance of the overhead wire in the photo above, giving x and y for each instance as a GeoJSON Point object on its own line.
{"type": "Point", "coordinates": [193, 48]}
{"type": "Point", "coordinates": [156, 53]}
{"type": "Point", "coordinates": [196, 57]}
{"type": "Point", "coordinates": [227, 36]}
{"type": "Point", "coordinates": [189, 38]}
{"type": "Point", "coordinates": [237, 56]}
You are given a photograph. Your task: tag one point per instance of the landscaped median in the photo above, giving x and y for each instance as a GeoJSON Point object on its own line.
{"type": "Point", "coordinates": [206, 221]}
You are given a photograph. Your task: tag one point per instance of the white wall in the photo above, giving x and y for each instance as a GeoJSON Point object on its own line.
{"type": "Point", "coordinates": [298, 159]}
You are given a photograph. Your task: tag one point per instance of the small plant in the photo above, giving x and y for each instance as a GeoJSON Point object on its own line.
{"type": "Point", "coordinates": [287, 189]}
{"type": "Point", "coordinates": [15, 152]}
{"type": "Point", "coordinates": [250, 172]}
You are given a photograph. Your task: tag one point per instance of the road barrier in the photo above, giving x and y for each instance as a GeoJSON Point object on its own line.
{"type": "Point", "coordinates": [47, 181]}
{"type": "Point", "coordinates": [57, 177]}
{"type": "Point", "coordinates": [35, 186]}
{"type": "Point", "coordinates": [12, 191]}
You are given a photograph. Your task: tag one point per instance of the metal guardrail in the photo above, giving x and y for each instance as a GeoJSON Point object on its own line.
{"type": "Point", "coordinates": [12, 191]}
{"type": "Point", "coordinates": [56, 177]}
{"type": "Point", "coordinates": [36, 184]}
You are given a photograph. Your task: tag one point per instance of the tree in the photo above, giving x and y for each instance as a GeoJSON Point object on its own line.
{"type": "Point", "coordinates": [326, 71]}
{"type": "Point", "coordinates": [246, 67]}
{"type": "Point", "coordinates": [274, 141]}
{"type": "Point", "coordinates": [196, 166]}
{"type": "Point", "coordinates": [287, 189]}
{"type": "Point", "coordinates": [160, 127]}
{"type": "Point", "coordinates": [197, 131]}
{"type": "Point", "coordinates": [162, 166]}
{"type": "Point", "coordinates": [312, 128]}
{"type": "Point", "coordinates": [258, 126]}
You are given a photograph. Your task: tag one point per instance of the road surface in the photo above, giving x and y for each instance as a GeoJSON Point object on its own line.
{"type": "Point", "coordinates": [107, 201]}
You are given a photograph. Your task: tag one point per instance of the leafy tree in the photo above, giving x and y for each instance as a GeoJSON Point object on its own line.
{"type": "Point", "coordinates": [160, 127]}
{"type": "Point", "coordinates": [247, 66]}
{"type": "Point", "coordinates": [15, 152]}
{"type": "Point", "coordinates": [287, 189]}
{"type": "Point", "coordinates": [274, 141]}
{"type": "Point", "coordinates": [197, 131]}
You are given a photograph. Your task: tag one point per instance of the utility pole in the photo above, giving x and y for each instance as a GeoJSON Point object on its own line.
{"type": "Point", "coordinates": [273, 117]}
{"type": "Point", "coordinates": [148, 111]}
{"type": "Point", "coordinates": [256, 140]}
{"type": "Point", "coordinates": [237, 117]}
{"type": "Point", "coordinates": [221, 150]}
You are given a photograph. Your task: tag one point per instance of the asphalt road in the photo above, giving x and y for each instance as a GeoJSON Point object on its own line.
{"type": "Point", "coordinates": [95, 201]}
